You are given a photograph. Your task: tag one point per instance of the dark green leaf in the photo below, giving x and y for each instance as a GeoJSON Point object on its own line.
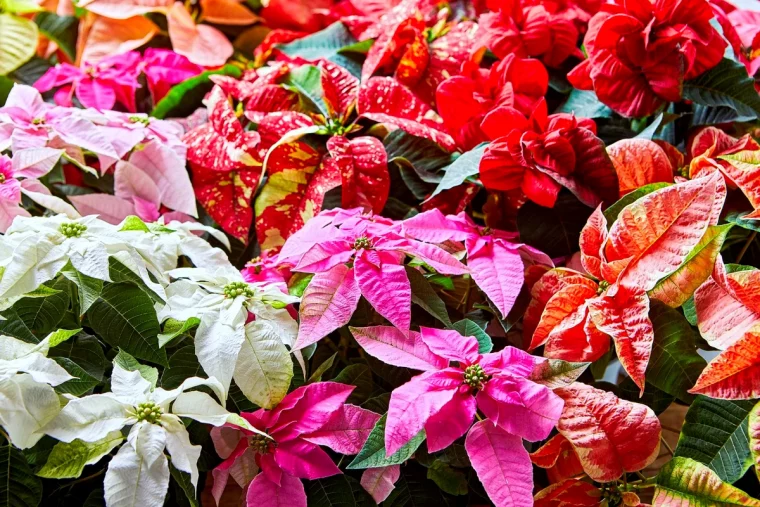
{"type": "Point", "coordinates": [372, 454]}
{"type": "Point", "coordinates": [88, 288]}
{"type": "Point", "coordinates": [716, 433]}
{"type": "Point", "coordinates": [60, 29]}
{"type": "Point", "coordinates": [125, 318]}
{"type": "Point", "coordinates": [182, 479]}
{"type": "Point", "coordinates": [78, 386]}
{"type": "Point", "coordinates": [450, 481]}
{"type": "Point", "coordinates": [327, 44]}
{"type": "Point", "coordinates": [186, 97]}
{"type": "Point", "coordinates": [466, 327]}
{"type": "Point", "coordinates": [586, 105]}
{"type": "Point", "coordinates": [556, 230]}
{"type": "Point", "coordinates": [727, 85]}
{"type": "Point", "coordinates": [183, 364]}
{"type": "Point", "coordinates": [425, 296]}
{"type": "Point", "coordinates": [338, 491]}
{"type": "Point", "coordinates": [465, 166]}
{"type": "Point", "coordinates": [358, 375]}
{"type": "Point", "coordinates": [86, 352]}
{"type": "Point", "coordinates": [307, 81]}
{"type": "Point", "coordinates": [653, 398]}
{"type": "Point", "coordinates": [738, 219]}
{"type": "Point", "coordinates": [316, 375]}
{"type": "Point", "coordinates": [423, 155]}
{"type": "Point", "coordinates": [18, 485]}
{"type": "Point", "coordinates": [41, 315]}
{"type": "Point", "coordinates": [15, 327]}
{"type": "Point", "coordinates": [121, 273]}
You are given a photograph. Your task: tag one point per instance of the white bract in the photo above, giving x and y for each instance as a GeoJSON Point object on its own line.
{"type": "Point", "coordinates": [27, 400]}
{"type": "Point", "coordinates": [42, 246]}
{"type": "Point", "coordinates": [138, 475]}
{"type": "Point", "coordinates": [254, 354]}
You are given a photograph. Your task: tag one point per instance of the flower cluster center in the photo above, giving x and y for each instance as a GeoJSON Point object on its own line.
{"type": "Point", "coordinates": [2, 178]}
{"type": "Point", "coordinates": [362, 242]}
{"type": "Point", "coordinates": [149, 411]}
{"type": "Point", "coordinates": [139, 119]}
{"type": "Point", "coordinates": [261, 444]}
{"type": "Point", "coordinates": [602, 286]}
{"type": "Point", "coordinates": [235, 289]}
{"type": "Point", "coordinates": [475, 376]}
{"type": "Point", "coordinates": [72, 229]}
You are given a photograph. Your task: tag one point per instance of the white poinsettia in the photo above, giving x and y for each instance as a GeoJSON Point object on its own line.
{"type": "Point", "coordinates": [138, 475]}
{"type": "Point", "coordinates": [254, 354]}
{"type": "Point", "coordinates": [42, 246]}
{"type": "Point", "coordinates": [27, 400]}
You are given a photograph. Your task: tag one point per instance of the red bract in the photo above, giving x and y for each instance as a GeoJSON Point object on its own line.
{"type": "Point", "coordinates": [529, 29]}
{"type": "Point", "coordinates": [640, 162]}
{"type": "Point", "coordinates": [464, 101]}
{"type": "Point", "coordinates": [711, 149]}
{"type": "Point", "coordinates": [639, 53]}
{"type": "Point", "coordinates": [543, 153]}
{"type": "Point", "coordinates": [226, 166]}
{"type": "Point", "coordinates": [420, 57]}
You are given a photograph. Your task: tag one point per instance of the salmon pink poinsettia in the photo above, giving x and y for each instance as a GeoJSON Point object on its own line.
{"type": "Point", "coordinates": [496, 263]}
{"type": "Point", "coordinates": [457, 382]}
{"type": "Point", "coordinates": [542, 153]}
{"type": "Point", "coordinates": [528, 28]}
{"type": "Point", "coordinates": [465, 100]}
{"type": "Point", "coordinates": [353, 255]}
{"type": "Point", "coordinates": [640, 162]}
{"type": "Point", "coordinates": [269, 465]}
{"type": "Point", "coordinates": [646, 246]}
{"type": "Point", "coordinates": [710, 149]}
{"type": "Point", "coordinates": [640, 52]}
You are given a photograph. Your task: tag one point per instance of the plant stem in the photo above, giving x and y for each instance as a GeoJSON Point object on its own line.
{"type": "Point", "coordinates": [750, 239]}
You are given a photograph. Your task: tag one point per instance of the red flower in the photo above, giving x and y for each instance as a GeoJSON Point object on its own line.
{"type": "Point", "coordinates": [465, 100]}
{"type": "Point", "coordinates": [542, 154]}
{"type": "Point", "coordinates": [639, 53]}
{"type": "Point", "coordinates": [529, 30]}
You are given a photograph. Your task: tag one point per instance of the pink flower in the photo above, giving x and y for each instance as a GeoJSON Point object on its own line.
{"type": "Point", "coordinates": [164, 68]}
{"type": "Point", "coordinates": [496, 263]}
{"type": "Point", "coordinates": [353, 255]}
{"type": "Point", "coordinates": [457, 381]}
{"type": "Point", "coordinates": [310, 416]}
{"type": "Point", "coordinates": [267, 268]}
{"type": "Point", "coordinates": [99, 85]}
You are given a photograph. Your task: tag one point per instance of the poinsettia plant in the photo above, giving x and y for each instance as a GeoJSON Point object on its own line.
{"type": "Point", "coordinates": [390, 252]}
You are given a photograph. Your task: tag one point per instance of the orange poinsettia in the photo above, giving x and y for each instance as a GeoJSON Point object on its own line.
{"type": "Point", "coordinates": [648, 243]}
{"type": "Point", "coordinates": [640, 162]}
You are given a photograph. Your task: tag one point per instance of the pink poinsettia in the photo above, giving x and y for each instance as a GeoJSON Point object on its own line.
{"type": "Point", "coordinates": [496, 263]}
{"type": "Point", "coordinates": [99, 85]}
{"type": "Point", "coordinates": [26, 121]}
{"type": "Point", "coordinates": [164, 68]}
{"type": "Point", "coordinates": [266, 268]}
{"type": "Point", "coordinates": [456, 382]}
{"type": "Point", "coordinates": [359, 255]}
{"type": "Point", "coordinates": [272, 468]}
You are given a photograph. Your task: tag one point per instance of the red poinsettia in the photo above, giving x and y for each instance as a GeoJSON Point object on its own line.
{"type": "Point", "coordinates": [225, 165]}
{"type": "Point", "coordinates": [543, 153]}
{"type": "Point", "coordinates": [530, 28]}
{"type": "Point", "coordinates": [710, 149]}
{"type": "Point", "coordinates": [418, 56]}
{"type": "Point", "coordinates": [640, 52]}
{"type": "Point", "coordinates": [464, 101]}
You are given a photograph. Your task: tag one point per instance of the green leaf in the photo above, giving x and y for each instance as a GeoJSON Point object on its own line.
{"type": "Point", "coordinates": [683, 481]}
{"type": "Point", "coordinates": [465, 166]}
{"type": "Point", "coordinates": [450, 481]}
{"type": "Point", "coordinates": [413, 489]}
{"type": "Point", "coordinates": [307, 81]}
{"type": "Point", "coordinates": [330, 44]}
{"type": "Point", "coordinates": [738, 219]}
{"type": "Point", "coordinates": [654, 398]}
{"type": "Point", "coordinates": [425, 296]}
{"type": "Point", "coordinates": [18, 485]}
{"type": "Point", "coordinates": [358, 375]}
{"type": "Point", "coordinates": [184, 482]}
{"type": "Point", "coordinates": [67, 461]}
{"type": "Point", "coordinates": [716, 433]}
{"type": "Point", "coordinates": [174, 328]}
{"type": "Point", "coordinates": [186, 96]}
{"type": "Point", "coordinates": [5, 89]}
{"type": "Point", "coordinates": [554, 373]}
{"type": "Point", "coordinates": [675, 364]}
{"type": "Point", "coordinates": [466, 327]}
{"type": "Point", "coordinates": [60, 29]}
{"type": "Point", "coordinates": [556, 230]}
{"type": "Point", "coordinates": [424, 156]}
{"type": "Point", "coordinates": [88, 288]}
{"type": "Point", "coordinates": [12, 325]}
{"type": "Point", "coordinates": [31, 71]}
{"type": "Point", "coordinates": [614, 210]}
{"type": "Point", "coordinates": [18, 41]}
{"type": "Point", "coordinates": [125, 318]}
{"type": "Point", "coordinates": [316, 375]}
{"type": "Point", "coordinates": [78, 386]}
{"type": "Point", "coordinates": [133, 223]}
{"type": "Point", "coordinates": [585, 104]}
{"type": "Point", "coordinates": [183, 364]}
{"type": "Point", "coordinates": [121, 273]}
{"type": "Point", "coordinates": [41, 315]}
{"type": "Point", "coordinates": [129, 363]}
{"type": "Point", "coordinates": [86, 352]}
{"type": "Point", "coordinates": [298, 283]}
{"type": "Point", "coordinates": [372, 454]}
{"type": "Point", "coordinates": [725, 86]}
{"type": "Point", "coordinates": [338, 491]}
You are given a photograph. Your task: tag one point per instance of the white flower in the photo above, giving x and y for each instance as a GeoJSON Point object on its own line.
{"type": "Point", "coordinates": [27, 400]}
{"type": "Point", "coordinates": [42, 246]}
{"type": "Point", "coordinates": [139, 473]}
{"type": "Point", "coordinates": [226, 346]}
